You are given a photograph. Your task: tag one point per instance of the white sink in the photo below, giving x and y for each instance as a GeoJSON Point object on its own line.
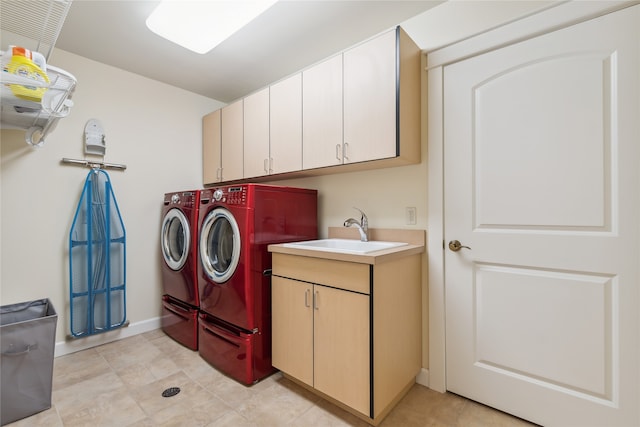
{"type": "Point", "coordinates": [344, 245]}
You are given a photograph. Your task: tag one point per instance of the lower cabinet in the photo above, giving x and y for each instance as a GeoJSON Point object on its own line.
{"type": "Point", "coordinates": [323, 339]}
{"type": "Point", "coordinates": [292, 328]}
{"type": "Point", "coordinates": [349, 331]}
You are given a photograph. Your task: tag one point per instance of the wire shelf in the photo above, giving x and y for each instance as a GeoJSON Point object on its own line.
{"type": "Point", "coordinates": [38, 20]}
{"type": "Point", "coordinates": [41, 22]}
{"type": "Point", "coordinates": [37, 116]}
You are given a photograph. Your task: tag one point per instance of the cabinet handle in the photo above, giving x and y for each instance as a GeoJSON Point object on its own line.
{"type": "Point", "coordinates": [264, 166]}
{"type": "Point", "coordinates": [338, 157]}
{"type": "Point", "coordinates": [306, 298]}
{"type": "Point", "coordinates": [316, 297]}
{"type": "Point", "coordinates": [219, 174]}
{"type": "Point", "coordinates": [270, 164]}
{"type": "Point", "coordinates": [346, 151]}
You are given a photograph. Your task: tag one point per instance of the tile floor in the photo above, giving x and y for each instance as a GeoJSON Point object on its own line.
{"type": "Point", "coordinates": [120, 384]}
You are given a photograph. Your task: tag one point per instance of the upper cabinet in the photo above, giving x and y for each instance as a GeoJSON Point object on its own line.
{"type": "Point", "coordinates": [354, 111]}
{"type": "Point", "coordinates": [222, 136]}
{"type": "Point", "coordinates": [370, 87]}
{"type": "Point", "coordinates": [212, 147]}
{"type": "Point", "coordinates": [273, 129]}
{"type": "Point", "coordinates": [352, 104]}
{"type": "Point", "coordinates": [232, 141]}
{"type": "Point", "coordinates": [322, 114]}
{"type": "Point", "coordinates": [286, 125]}
{"type": "Point", "coordinates": [256, 134]}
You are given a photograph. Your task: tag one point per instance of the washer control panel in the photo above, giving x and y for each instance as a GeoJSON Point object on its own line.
{"type": "Point", "coordinates": [233, 195]}
{"type": "Point", "coordinates": [185, 199]}
{"type": "Point", "coordinates": [237, 195]}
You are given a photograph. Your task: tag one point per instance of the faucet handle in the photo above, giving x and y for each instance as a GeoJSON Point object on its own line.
{"type": "Point", "coordinates": [364, 221]}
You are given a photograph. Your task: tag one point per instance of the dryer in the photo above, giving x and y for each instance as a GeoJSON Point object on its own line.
{"type": "Point", "coordinates": [179, 247]}
{"type": "Point", "coordinates": [236, 225]}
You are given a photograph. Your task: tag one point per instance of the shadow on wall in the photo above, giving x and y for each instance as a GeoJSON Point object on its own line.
{"type": "Point", "coordinates": [13, 145]}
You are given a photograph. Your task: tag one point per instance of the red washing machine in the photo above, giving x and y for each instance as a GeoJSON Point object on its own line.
{"type": "Point", "coordinates": [179, 243]}
{"type": "Point", "coordinates": [237, 223]}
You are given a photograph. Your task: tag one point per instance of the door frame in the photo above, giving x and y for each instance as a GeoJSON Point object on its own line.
{"type": "Point", "coordinates": [550, 19]}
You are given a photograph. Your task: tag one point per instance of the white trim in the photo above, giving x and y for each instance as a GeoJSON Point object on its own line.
{"type": "Point", "coordinates": [71, 345]}
{"type": "Point", "coordinates": [435, 225]}
{"type": "Point", "coordinates": [544, 21]}
{"type": "Point", "coordinates": [423, 377]}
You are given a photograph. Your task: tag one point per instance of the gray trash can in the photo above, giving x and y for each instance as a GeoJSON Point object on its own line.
{"type": "Point", "coordinates": [27, 341]}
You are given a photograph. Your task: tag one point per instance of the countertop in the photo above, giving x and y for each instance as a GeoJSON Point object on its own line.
{"type": "Point", "coordinates": [415, 240]}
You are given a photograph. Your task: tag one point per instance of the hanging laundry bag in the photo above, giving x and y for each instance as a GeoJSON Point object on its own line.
{"type": "Point", "coordinates": [97, 260]}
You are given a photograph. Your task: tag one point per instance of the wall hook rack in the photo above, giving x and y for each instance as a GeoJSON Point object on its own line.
{"type": "Point", "coordinates": [94, 164]}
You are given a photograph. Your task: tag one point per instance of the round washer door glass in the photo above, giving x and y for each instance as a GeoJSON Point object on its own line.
{"type": "Point", "coordinates": [219, 245]}
{"type": "Point", "coordinates": [175, 239]}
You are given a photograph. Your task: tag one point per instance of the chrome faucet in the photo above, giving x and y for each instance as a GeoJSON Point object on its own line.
{"type": "Point", "coordinates": [362, 225]}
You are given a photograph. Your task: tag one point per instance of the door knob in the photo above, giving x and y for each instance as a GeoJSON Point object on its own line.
{"type": "Point", "coordinates": [455, 246]}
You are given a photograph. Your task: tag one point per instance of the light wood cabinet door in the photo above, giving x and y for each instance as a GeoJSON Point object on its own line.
{"type": "Point", "coordinates": [211, 148]}
{"type": "Point", "coordinates": [232, 141]}
{"type": "Point", "coordinates": [370, 100]}
{"type": "Point", "coordinates": [322, 114]}
{"type": "Point", "coordinates": [292, 328]}
{"type": "Point", "coordinates": [256, 134]}
{"type": "Point", "coordinates": [341, 346]}
{"type": "Point", "coordinates": [285, 130]}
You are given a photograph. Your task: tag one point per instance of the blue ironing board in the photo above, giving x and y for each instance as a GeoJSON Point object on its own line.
{"type": "Point", "coordinates": [97, 260]}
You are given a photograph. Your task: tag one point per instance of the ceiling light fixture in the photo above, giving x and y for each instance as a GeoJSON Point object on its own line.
{"type": "Point", "coordinates": [202, 25]}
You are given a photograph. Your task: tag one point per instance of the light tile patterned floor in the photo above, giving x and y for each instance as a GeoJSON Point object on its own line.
{"type": "Point", "coordinates": [120, 384]}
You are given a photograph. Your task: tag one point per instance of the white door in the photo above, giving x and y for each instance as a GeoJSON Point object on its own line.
{"type": "Point", "coordinates": [542, 183]}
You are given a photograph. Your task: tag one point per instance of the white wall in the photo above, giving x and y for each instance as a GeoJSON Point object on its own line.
{"type": "Point", "coordinates": [153, 128]}
{"type": "Point", "coordinates": [382, 194]}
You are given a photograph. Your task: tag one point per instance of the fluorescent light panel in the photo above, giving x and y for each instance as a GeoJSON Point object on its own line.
{"type": "Point", "coordinates": [202, 25]}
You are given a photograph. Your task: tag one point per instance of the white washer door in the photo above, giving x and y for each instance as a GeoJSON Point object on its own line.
{"type": "Point", "coordinates": [219, 245]}
{"type": "Point", "coordinates": [175, 239]}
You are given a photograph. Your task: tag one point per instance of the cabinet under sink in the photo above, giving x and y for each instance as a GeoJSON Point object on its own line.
{"type": "Point", "coordinates": [348, 330]}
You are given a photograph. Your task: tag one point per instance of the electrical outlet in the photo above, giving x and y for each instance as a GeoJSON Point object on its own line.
{"type": "Point", "coordinates": [411, 215]}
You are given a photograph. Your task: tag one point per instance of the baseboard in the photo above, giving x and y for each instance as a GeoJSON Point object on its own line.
{"type": "Point", "coordinates": [423, 377]}
{"type": "Point", "coordinates": [71, 345]}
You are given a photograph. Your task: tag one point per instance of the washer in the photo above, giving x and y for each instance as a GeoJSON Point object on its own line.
{"type": "Point", "coordinates": [179, 247]}
{"type": "Point", "coordinates": [237, 223]}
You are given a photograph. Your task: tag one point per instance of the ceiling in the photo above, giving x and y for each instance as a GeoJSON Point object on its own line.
{"type": "Point", "coordinates": [288, 37]}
